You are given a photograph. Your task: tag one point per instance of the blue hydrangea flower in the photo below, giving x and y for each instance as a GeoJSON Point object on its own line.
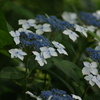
{"type": "Point", "coordinates": [33, 41]}
{"type": "Point", "coordinates": [89, 19]}
{"type": "Point", "coordinates": [94, 54]}
{"type": "Point", "coordinates": [56, 24]}
{"type": "Point", "coordinates": [55, 94]}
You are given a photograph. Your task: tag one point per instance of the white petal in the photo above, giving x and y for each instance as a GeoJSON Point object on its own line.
{"type": "Point", "coordinates": [76, 97]}
{"type": "Point", "coordinates": [38, 26]}
{"type": "Point", "coordinates": [52, 51]}
{"type": "Point", "coordinates": [46, 25]}
{"type": "Point", "coordinates": [23, 53]}
{"type": "Point", "coordinates": [16, 39]}
{"type": "Point", "coordinates": [39, 31]}
{"type": "Point", "coordinates": [46, 55]}
{"type": "Point", "coordinates": [91, 83]}
{"type": "Point", "coordinates": [21, 57]}
{"type": "Point", "coordinates": [85, 71]}
{"type": "Point", "coordinates": [62, 51]}
{"type": "Point", "coordinates": [35, 52]}
{"type": "Point", "coordinates": [25, 26]}
{"type": "Point", "coordinates": [94, 71]}
{"type": "Point", "coordinates": [43, 49]}
{"type": "Point", "coordinates": [13, 34]}
{"type": "Point", "coordinates": [88, 77]}
{"type": "Point", "coordinates": [98, 77]}
{"type": "Point", "coordinates": [20, 22]}
{"type": "Point", "coordinates": [97, 48]}
{"type": "Point", "coordinates": [72, 37]}
{"type": "Point", "coordinates": [66, 32]}
{"type": "Point", "coordinates": [46, 29]}
{"type": "Point", "coordinates": [93, 65]}
{"type": "Point", "coordinates": [86, 64]}
{"type": "Point", "coordinates": [31, 21]}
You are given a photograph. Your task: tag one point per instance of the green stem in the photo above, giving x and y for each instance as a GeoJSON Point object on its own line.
{"type": "Point", "coordinates": [85, 91]}
{"type": "Point", "coordinates": [26, 63]}
{"type": "Point", "coordinates": [44, 85]}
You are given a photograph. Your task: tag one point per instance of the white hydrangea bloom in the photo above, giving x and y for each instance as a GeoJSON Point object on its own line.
{"type": "Point", "coordinates": [39, 57]}
{"type": "Point", "coordinates": [16, 36]}
{"type": "Point", "coordinates": [69, 16]}
{"type": "Point", "coordinates": [76, 97]}
{"type": "Point", "coordinates": [90, 79]}
{"type": "Point", "coordinates": [60, 47]}
{"type": "Point", "coordinates": [91, 28]}
{"type": "Point", "coordinates": [33, 96]}
{"type": "Point", "coordinates": [72, 35]}
{"type": "Point", "coordinates": [42, 28]}
{"type": "Point", "coordinates": [17, 53]}
{"type": "Point", "coordinates": [96, 79]}
{"type": "Point", "coordinates": [97, 47]}
{"type": "Point", "coordinates": [48, 52]}
{"type": "Point", "coordinates": [90, 68]}
{"type": "Point", "coordinates": [81, 29]}
{"type": "Point", "coordinates": [27, 23]}
{"type": "Point", "coordinates": [24, 30]}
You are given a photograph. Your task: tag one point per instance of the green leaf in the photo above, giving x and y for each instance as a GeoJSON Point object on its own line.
{"type": "Point", "coordinates": [62, 80]}
{"type": "Point", "coordinates": [94, 35]}
{"type": "Point", "coordinates": [68, 68]}
{"type": "Point", "coordinates": [5, 38]}
{"type": "Point", "coordinates": [5, 52]}
{"type": "Point", "coordinates": [10, 73]}
{"type": "Point", "coordinates": [2, 21]}
{"type": "Point", "coordinates": [20, 9]}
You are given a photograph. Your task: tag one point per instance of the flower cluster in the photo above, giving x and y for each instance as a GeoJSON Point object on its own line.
{"type": "Point", "coordinates": [94, 54]}
{"type": "Point", "coordinates": [91, 72]}
{"type": "Point", "coordinates": [89, 19]}
{"type": "Point", "coordinates": [54, 94]}
{"type": "Point", "coordinates": [30, 39]}
{"type": "Point", "coordinates": [91, 69]}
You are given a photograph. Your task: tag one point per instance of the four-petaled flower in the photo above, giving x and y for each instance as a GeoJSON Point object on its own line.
{"type": "Point", "coordinates": [60, 48]}
{"type": "Point", "coordinates": [48, 52]}
{"type": "Point", "coordinates": [89, 78]}
{"type": "Point", "coordinates": [90, 68]}
{"type": "Point", "coordinates": [17, 53]}
{"type": "Point", "coordinates": [39, 57]}
{"type": "Point", "coordinates": [81, 29]}
{"type": "Point", "coordinates": [15, 35]}
{"type": "Point", "coordinates": [42, 28]}
{"type": "Point", "coordinates": [72, 35]}
{"type": "Point", "coordinates": [96, 79]}
{"type": "Point", "coordinates": [27, 23]}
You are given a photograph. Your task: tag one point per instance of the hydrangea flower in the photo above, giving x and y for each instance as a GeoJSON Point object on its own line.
{"type": "Point", "coordinates": [80, 29]}
{"type": "Point", "coordinates": [55, 94]}
{"type": "Point", "coordinates": [96, 79]}
{"type": "Point", "coordinates": [27, 23]}
{"type": "Point", "coordinates": [17, 53]}
{"type": "Point", "coordinates": [60, 47]}
{"type": "Point", "coordinates": [72, 35]}
{"type": "Point", "coordinates": [69, 16]}
{"type": "Point", "coordinates": [94, 54]}
{"type": "Point", "coordinates": [90, 68]}
{"type": "Point", "coordinates": [48, 52]}
{"type": "Point", "coordinates": [16, 37]}
{"type": "Point", "coordinates": [42, 28]}
{"type": "Point", "coordinates": [39, 57]}
{"type": "Point", "coordinates": [90, 79]}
